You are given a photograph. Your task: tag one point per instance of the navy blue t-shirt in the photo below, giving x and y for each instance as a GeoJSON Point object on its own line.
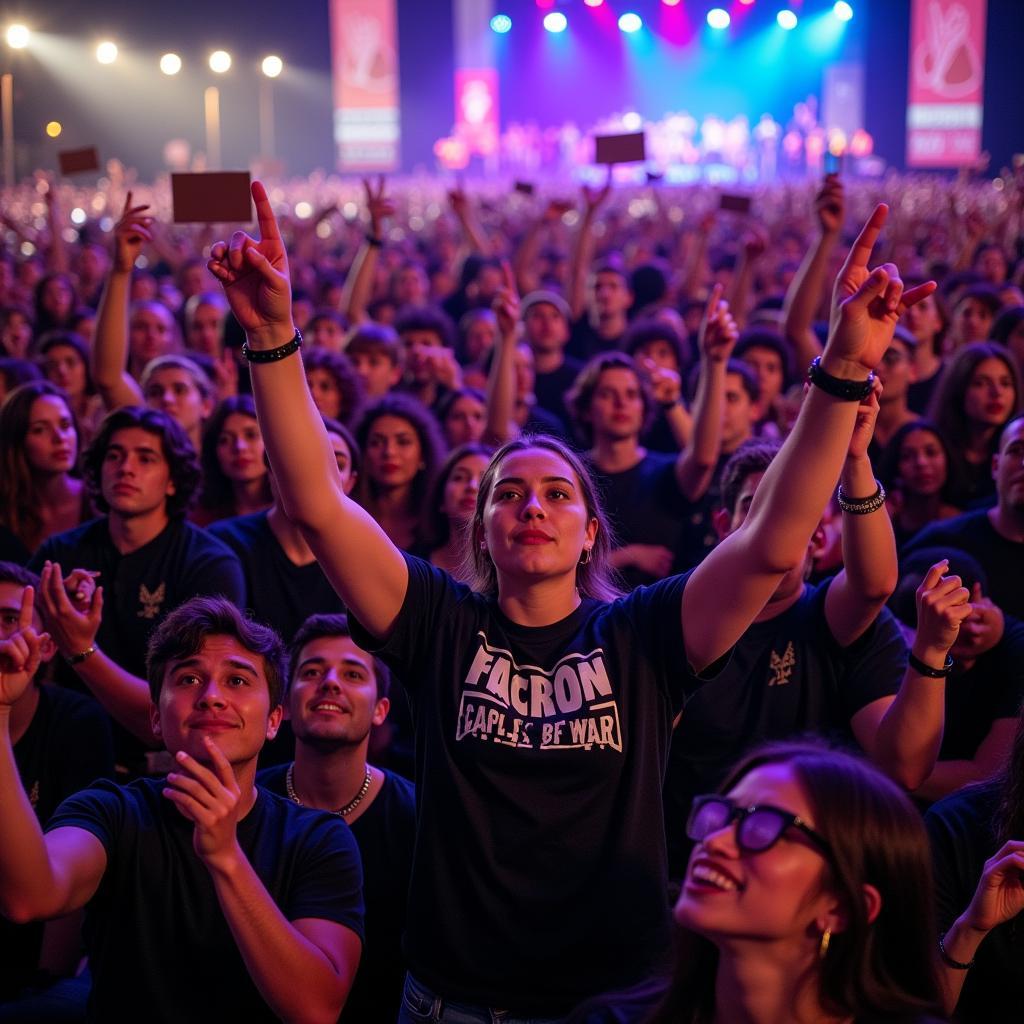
{"type": "Point", "coordinates": [159, 945]}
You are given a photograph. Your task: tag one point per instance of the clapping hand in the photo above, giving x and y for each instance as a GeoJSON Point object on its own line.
{"type": "Point", "coordinates": [21, 653]}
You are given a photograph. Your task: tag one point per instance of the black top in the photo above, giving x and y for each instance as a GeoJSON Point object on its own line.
{"type": "Point", "coordinates": [787, 676]}
{"type": "Point", "coordinates": [140, 588]}
{"type": "Point", "coordinates": [156, 934]}
{"type": "Point", "coordinates": [1002, 559]}
{"type": "Point", "coordinates": [961, 831]}
{"type": "Point", "coordinates": [540, 754]}
{"type": "Point", "coordinates": [66, 746]}
{"type": "Point", "coordinates": [550, 389]}
{"type": "Point", "coordinates": [281, 593]}
{"type": "Point", "coordinates": [386, 833]}
{"type": "Point", "coordinates": [585, 342]}
{"type": "Point", "coordinates": [645, 506]}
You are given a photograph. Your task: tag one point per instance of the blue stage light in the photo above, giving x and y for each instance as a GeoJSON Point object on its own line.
{"type": "Point", "coordinates": [786, 19]}
{"type": "Point", "coordinates": [718, 17]}
{"type": "Point", "coordinates": [630, 22]}
{"type": "Point", "coordinates": [501, 23]}
{"type": "Point", "coordinates": [842, 10]}
{"type": "Point", "coordinates": [556, 21]}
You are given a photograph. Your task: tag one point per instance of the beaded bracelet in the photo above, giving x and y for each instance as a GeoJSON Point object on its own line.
{"type": "Point", "coordinates": [862, 506]}
{"type": "Point", "coordinates": [957, 965]}
{"type": "Point", "coordinates": [272, 355]}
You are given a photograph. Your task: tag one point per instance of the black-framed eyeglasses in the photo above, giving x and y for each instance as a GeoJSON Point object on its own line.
{"type": "Point", "coordinates": [760, 826]}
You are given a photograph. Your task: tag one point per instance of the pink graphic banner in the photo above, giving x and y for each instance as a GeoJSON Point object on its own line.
{"type": "Point", "coordinates": [364, 61]}
{"type": "Point", "coordinates": [476, 109]}
{"type": "Point", "coordinates": [947, 78]}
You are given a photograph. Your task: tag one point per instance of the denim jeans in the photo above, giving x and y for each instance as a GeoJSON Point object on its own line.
{"type": "Point", "coordinates": [422, 1006]}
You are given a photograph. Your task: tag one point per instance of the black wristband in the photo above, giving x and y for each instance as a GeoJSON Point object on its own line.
{"type": "Point", "coordinates": [861, 506]}
{"type": "Point", "coordinates": [839, 387]}
{"type": "Point", "coordinates": [957, 965]}
{"type": "Point", "coordinates": [374, 241]}
{"type": "Point", "coordinates": [926, 670]}
{"type": "Point", "coordinates": [272, 355]}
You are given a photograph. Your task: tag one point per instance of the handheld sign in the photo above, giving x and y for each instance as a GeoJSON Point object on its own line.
{"type": "Point", "coordinates": [78, 161]}
{"type": "Point", "coordinates": [211, 197]}
{"type": "Point", "coordinates": [620, 149]}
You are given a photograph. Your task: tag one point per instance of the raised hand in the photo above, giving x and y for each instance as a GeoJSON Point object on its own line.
{"type": "Point", "coordinates": [866, 306]}
{"type": "Point", "coordinates": [864, 428]}
{"type": "Point", "coordinates": [830, 205]}
{"type": "Point", "coordinates": [73, 624]}
{"type": "Point", "coordinates": [942, 605]}
{"type": "Point", "coordinates": [666, 384]}
{"type": "Point", "coordinates": [378, 205]}
{"type": "Point", "coordinates": [594, 198]}
{"type": "Point", "coordinates": [506, 302]}
{"type": "Point", "coordinates": [1000, 894]}
{"type": "Point", "coordinates": [210, 798]}
{"type": "Point", "coordinates": [254, 275]}
{"type": "Point", "coordinates": [21, 653]}
{"type": "Point", "coordinates": [134, 228]}
{"type": "Point", "coordinates": [225, 374]}
{"type": "Point", "coordinates": [718, 331]}
{"type": "Point", "coordinates": [983, 628]}
{"type": "Point", "coordinates": [555, 210]}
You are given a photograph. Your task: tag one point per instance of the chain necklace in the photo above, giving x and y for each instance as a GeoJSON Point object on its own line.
{"type": "Point", "coordinates": [345, 811]}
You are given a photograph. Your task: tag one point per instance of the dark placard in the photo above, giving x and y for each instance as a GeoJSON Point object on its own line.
{"type": "Point", "coordinates": [734, 203]}
{"type": "Point", "coordinates": [526, 188]}
{"type": "Point", "coordinates": [212, 197]}
{"type": "Point", "coordinates": [78, 161]}
{"type": "Point", "coordinates": [619, 149]}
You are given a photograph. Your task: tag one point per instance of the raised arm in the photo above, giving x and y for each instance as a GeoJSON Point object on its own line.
{"type": "Point", "coordinates": [57, 251]}
{"type": "Point", "coordinates": [501, 384]}
{"type": "Point", "coordinates": [367, 570]}
{"type": "Point", "coordinates": [789, 500]}
{"type": "Point", "coordinates": [902, 734]}
{"type": "Point", "coordinates": [804, 295]}
{"type": "Point", "coordinates": [998, 899]}
{"type": "Point", "coordinates": [751, 250]}
{"type": "Point", "coordinates": [276, 951]}
{"type": "Point", "coordinates": [696, 463]}
{"type": "Point", "coordinates": [109, 357]}
{"type": "Point", "coordinates": [593, 200]}
{"type": "Point", "coordinates": [472, 230]}
{"type": "Point", "coordinates": [870, 571]}
{"type": "Point", "coordinates": [358, 287]}
{"type": "Point", "coordinates": [525, 263]}
{"type": "Point", "coordinates": [40, 877]}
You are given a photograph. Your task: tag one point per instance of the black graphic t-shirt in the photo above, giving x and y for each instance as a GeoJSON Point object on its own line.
{"type": "Point", "coordinates": [539, 874]}
{"type": "Point", "coordinates": [787, 676]}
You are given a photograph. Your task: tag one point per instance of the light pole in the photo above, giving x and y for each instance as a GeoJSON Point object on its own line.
{"type": "Point", "coordinates": [220, 61]}
{"type": "Point", "coordinates": [17, 39]}
{"type": "Point", "coordinates": [271, 67]}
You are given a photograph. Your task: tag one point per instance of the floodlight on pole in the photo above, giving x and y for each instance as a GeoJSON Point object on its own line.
{"type": "Point", "coordinates": [170, 63]}
{"type": "Point", "coordinates": [106, 52]}
{"type": "Point", "coordinates": [17, 37]}
{"type": "Point", "coordinates": [272, 66]}
{"type": "Point", "coordinates": [220, 61]}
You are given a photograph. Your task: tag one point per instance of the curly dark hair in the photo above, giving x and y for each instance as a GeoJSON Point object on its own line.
{"type": "Point", "coordinates": [174, 444]}
{"type": "Point", "coordinates": [426, 318]}
{"type": "Point", "coordinates": [218, 494]}
{"type": "Point", "coordinates": [343, 373]}
{"type": "Point", "coordinates": [753, 456]}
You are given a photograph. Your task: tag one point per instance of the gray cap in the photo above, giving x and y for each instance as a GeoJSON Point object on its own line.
{"type": "Point", "coordinates": [542, 296]}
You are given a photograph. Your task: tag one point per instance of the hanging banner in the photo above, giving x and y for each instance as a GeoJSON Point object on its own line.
{"type": "Point", "coordinates": [364, 62]}
{"type": "Point", "coordinates": [476, 109]}
{"type": "Point", "coordinates": [947, 78]}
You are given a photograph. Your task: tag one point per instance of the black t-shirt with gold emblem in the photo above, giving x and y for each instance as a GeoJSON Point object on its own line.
{"type": "Point", "coordinates": [787, 677]}
{"type": "Point", "coordinates": [140, 588]}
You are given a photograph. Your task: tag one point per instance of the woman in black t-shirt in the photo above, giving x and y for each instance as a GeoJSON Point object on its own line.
{"type": "Point", "coordinates": [542, 587]}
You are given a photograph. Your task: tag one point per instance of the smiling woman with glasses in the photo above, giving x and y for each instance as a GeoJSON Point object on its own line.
{"type": "Point", "coordinates": [807, 898]}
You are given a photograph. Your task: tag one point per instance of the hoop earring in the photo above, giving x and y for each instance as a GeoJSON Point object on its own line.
{"type": "Point", "coordinates": [826, 938]}
{"type": "Point", "coordinates": [585, 556]}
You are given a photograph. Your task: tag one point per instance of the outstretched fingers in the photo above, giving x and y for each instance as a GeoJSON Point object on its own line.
{"type": "Point", "coordinates": [265, 214]}
{"type": "Point", "coordinates": [860, 251]}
